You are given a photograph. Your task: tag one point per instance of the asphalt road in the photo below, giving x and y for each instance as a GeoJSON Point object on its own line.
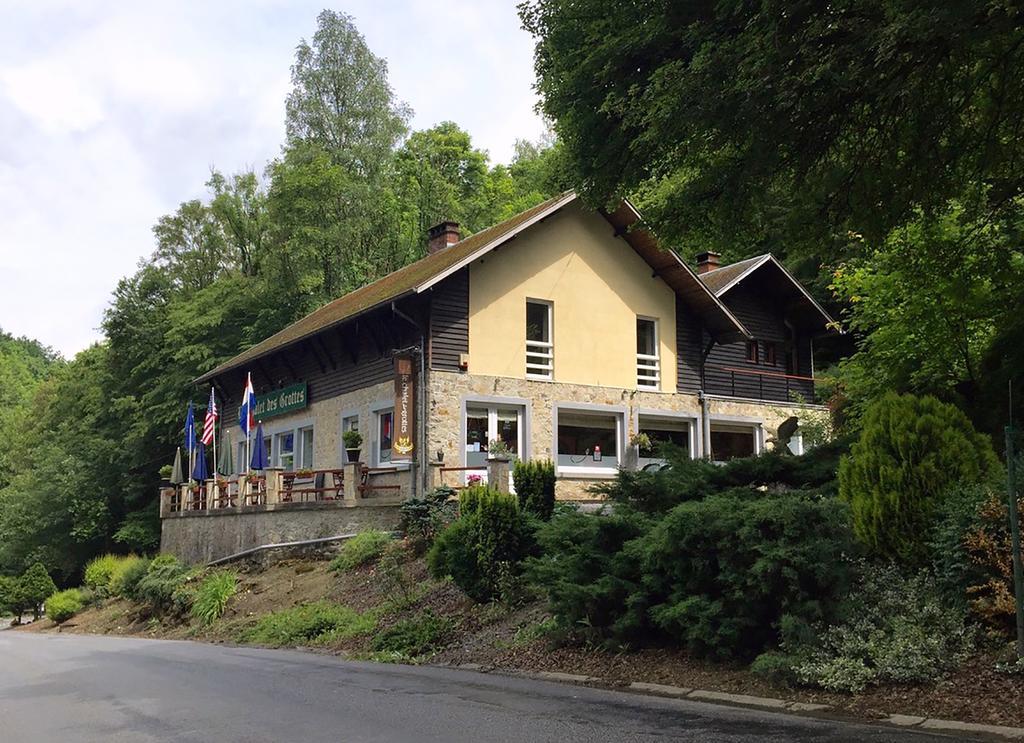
{"type": "Point", "coordinates": [72, 688]}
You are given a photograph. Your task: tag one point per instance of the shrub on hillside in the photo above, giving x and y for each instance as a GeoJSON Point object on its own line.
{"type": "Point", "coordinates": [63, 605]}
{"type": "Point", "coordinates": [957, 514]}
{"type": "Point", "coordinates": [125, 580]}
{"type": "Point", "coordinates": [160, 589]}
{"type": "Point", "coordinates": [422, 519]}
{"type": "Point", "coordinates": [910, 449]}
{"type": "Point", "coordinates": [485, 546]}
{"type": "Point", "coordinates": [362, 549]}
{"type": "Point", "coordinates": [99, 571]}
{"type": "Point", "coordinates": [718, 576]}
{"type": "Point", "coordinates": [898, 631]}
{"type": "Point", "coordinates": [12, 597]}
{"type": "Point", "coordinates": [987, 543]}
{"type": "Point", "coordinates": [535, 486]}
{"type": "Point", "coordinates": [415, 636]}
{"type": "Point", "coordinates": [319, 622]}
{"type": "Point", "coordinates": [212, 596]}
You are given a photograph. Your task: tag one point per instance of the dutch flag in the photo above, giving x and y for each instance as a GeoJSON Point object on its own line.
{"type": "Point", "coordinates": [247, 413]}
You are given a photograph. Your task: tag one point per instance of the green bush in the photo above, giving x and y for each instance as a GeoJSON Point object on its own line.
{"type": "Point", "coordinates": [909, 451]}
{"type": "Point", "coordinates": [898, 631]}
{"type": "Point", "coordinates": [422, 519]}
{"type": "Point", "coordinates": [36, 587]}
{"type": "Point", "coordinates": [362, 549]}
{"type": "Point", "coordinates": [485, 545]}
{"type": "Point", "coordinates": [535, 487]}
{"type": "Point", "coordinates": [957, 514]}
{"type": "Point", "coordinates": [12, 597]}
{"type": "Point", "coordinates": [417, 636]}
{"type": "Point", "coordinates": [99, 571]}
{"type": "Point", "coordinates": [161, 587]}
{"type": "Point", "coordinates": [315, 623]}
{"type": "Point", "coordinates": [212, 596]}
{"type": "Point", "coordinates": [718, 576]}
{"type": "Point", "coordinates": [126, 578]}
{"type": "Point", "coordinates": [63, 605]}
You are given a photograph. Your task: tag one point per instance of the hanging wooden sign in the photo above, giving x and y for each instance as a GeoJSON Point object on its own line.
{"type": "Point", "coordinates": [404, 442]}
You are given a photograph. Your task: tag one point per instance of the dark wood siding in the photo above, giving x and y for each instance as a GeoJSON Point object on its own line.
{"type": "Point", "coordinates": [332, 363]}
{"type": "Point", "coordinates": [449, 321]}
{"type": "Point", "coordinates": [727, 370]}
{"type": "Point", "coordinates": [688, 349]}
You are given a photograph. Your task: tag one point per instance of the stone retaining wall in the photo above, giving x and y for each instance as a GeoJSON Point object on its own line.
{"type": "Point", "coordinates": [201, 536]}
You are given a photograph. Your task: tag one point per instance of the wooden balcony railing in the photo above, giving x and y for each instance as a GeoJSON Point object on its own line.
{"type": "Point", "coordinates": [769, 385]}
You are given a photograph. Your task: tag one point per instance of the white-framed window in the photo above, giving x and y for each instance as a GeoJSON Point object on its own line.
{"type": "Point", "coordinates": [663, 429]}
{"type": "Point", "coordinates": [385, 430]}
{"type": "Point", "coordinates": [486, 422]}
{"type": "Point", "coordinates": [348, 423]}
{"type": "Point", "coordinates": [540, 349]}
{"type": "Point", "coordinates": [648, 361]}
{"type": "Point", "coordinates": [732, 440]}
{"type": "Point", "coordinates": [284, 450]}
{"type": "Point", "coordinates": [306, 448]}
{"type": "Point", "coordinates": [589, 441]}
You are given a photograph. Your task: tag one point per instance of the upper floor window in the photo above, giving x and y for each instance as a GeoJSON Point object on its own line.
{"type": "Point", "coordinates": [540, 351]}
{"type": "Point", "coordinates": [752, 352]}
{"type": "Point", "coordinates": [769, 354]}
{"type": "Point", "coordinates": [648, 364]}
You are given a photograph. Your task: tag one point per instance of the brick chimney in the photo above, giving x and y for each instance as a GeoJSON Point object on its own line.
{"type": "Point", "coordinates": [442, 235]}
{"type": "Point", "coordinates": [708, 262]}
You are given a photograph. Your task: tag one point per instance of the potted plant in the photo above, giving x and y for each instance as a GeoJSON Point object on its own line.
{"type": "Point", "coordinates": [498, 449]}
{"type": "Point", "coordinates": [165, 476]}
{"type": "Point", "coordinates": [353, 442]}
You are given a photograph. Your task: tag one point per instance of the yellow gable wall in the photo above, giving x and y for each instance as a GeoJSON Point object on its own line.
{"type": "Point", "coordinates": [597, 284]}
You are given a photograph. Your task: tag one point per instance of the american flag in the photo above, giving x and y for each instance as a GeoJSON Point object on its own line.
{"type": "Point", "coordinates": [211, 419]}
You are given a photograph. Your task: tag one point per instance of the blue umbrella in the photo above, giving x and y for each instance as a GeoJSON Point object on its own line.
{"type": "Point", "coordinates": [190, 429]}
{"type": "Point", "coordinates": [259, 453]}
{"type": "Point", "coordinates": [199, 472]}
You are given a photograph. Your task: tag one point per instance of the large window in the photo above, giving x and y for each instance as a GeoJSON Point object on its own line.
{"type": "Point", "coordinates": [731, 441]}
{"type": "Point", "coordinates": [588, 441]}
{"type": "Point", "coordinates": [486, 423]}
{"type": "Point", "coordinates": [285, 450]}
{"type": "Point", "coordinates": [648, 364]}
{"type": "Point", "coordinates": [660, 431]}
{"type": "Point", "coordinates": [385, 430]}
{"type": "Point", "coordinates": [540, 350]}
{"type": "Point", "coordinates": [306, 448]}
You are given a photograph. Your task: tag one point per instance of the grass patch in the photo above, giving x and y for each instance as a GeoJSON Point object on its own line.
{"type": "Point", "coordinates": [419, 635]}
{"type": "Point", "coordinates": [362, 549]}
{"type": "Point", "coordinates": [532, 632]}
{"type": "Point", "coordinates": [317, 623]}
{"type": "Point", "coordinates": [212, 596]}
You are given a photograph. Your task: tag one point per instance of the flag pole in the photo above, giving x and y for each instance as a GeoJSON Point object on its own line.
{"type": "Point", "coordinates": [216, 464]}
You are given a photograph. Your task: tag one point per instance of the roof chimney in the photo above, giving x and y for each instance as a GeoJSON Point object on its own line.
{"type": "Point", "coordinates": [708, 262]}
{"type": "Point", "coordinates": [441, 236]}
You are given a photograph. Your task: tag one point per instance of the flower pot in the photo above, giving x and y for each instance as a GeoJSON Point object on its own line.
{"type": "Point", "coordinates": [352, 455]}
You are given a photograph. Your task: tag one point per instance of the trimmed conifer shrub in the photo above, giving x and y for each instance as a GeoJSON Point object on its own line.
{"type": "Point", "coordinates": [910, 450]}
{"type": "Point", "coordinates": [535, 486]}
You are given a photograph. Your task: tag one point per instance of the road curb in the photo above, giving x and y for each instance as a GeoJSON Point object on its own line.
{"type": "Point", "coordinates": [752, 701]}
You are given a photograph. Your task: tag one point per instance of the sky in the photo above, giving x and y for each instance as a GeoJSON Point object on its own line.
{"type": "Point", "coordinates": [113, 113]}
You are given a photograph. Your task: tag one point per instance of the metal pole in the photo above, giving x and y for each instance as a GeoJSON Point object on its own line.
{"type": "Point", "coordinates": [1018, 570]}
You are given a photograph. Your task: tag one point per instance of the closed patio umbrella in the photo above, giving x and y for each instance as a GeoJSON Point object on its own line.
{"type": "Point", "coordinates": [199, 472]}
{"type": "Point", "coordinates": [259, 452]}
{"type": "Point", "coordinates": [225, 465]}
{"type": "Point", "coordinates": [177, 475]}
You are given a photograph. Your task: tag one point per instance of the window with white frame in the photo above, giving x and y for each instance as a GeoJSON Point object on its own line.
{"type": "Point", "coordinates": [384, 433]}
{"type": "Point", "coordinates": [490, 422]}
{"type": "Point", "coordinates": [284, 450]}
{"type": "Point", "coordinates": [540, 350]}
{"type": "Point", "coordinates": [648, 362]}
{"type": "Point", "coordinates": [662, 430]}
{"type": "Point", "coordinates": [734, 440]}
{"type": "Point", "coordinates": [349, 423]}
{"type": "Point", "coordinates": [589, 441]}
{"type": "Point", "coordinates": [306, 448]}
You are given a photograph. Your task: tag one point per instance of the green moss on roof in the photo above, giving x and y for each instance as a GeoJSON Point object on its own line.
{"type": "Point", "coordinates": [396, 284]}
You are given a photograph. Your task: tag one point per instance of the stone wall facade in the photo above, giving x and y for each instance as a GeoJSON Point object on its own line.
{"type": "Point", "coordinates": [199, 537]}
{"type": "Point", "coordinates": [449, 393]}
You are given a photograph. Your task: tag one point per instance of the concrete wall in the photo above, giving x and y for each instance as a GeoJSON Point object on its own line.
{"type": "Point", "coordinates": [201, 536]}
{"type": "Point", "coordinates": [597, 284]}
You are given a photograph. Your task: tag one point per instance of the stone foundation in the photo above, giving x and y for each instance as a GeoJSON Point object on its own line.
{"type": "Point", "coordinates": [199, 537]}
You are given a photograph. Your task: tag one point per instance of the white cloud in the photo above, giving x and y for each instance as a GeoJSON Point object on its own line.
{"type": "Point", "coordinates": [112, 113]}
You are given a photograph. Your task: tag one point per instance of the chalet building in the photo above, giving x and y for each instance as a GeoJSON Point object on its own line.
{"type": "Point", "coordinates": [562, 332]}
